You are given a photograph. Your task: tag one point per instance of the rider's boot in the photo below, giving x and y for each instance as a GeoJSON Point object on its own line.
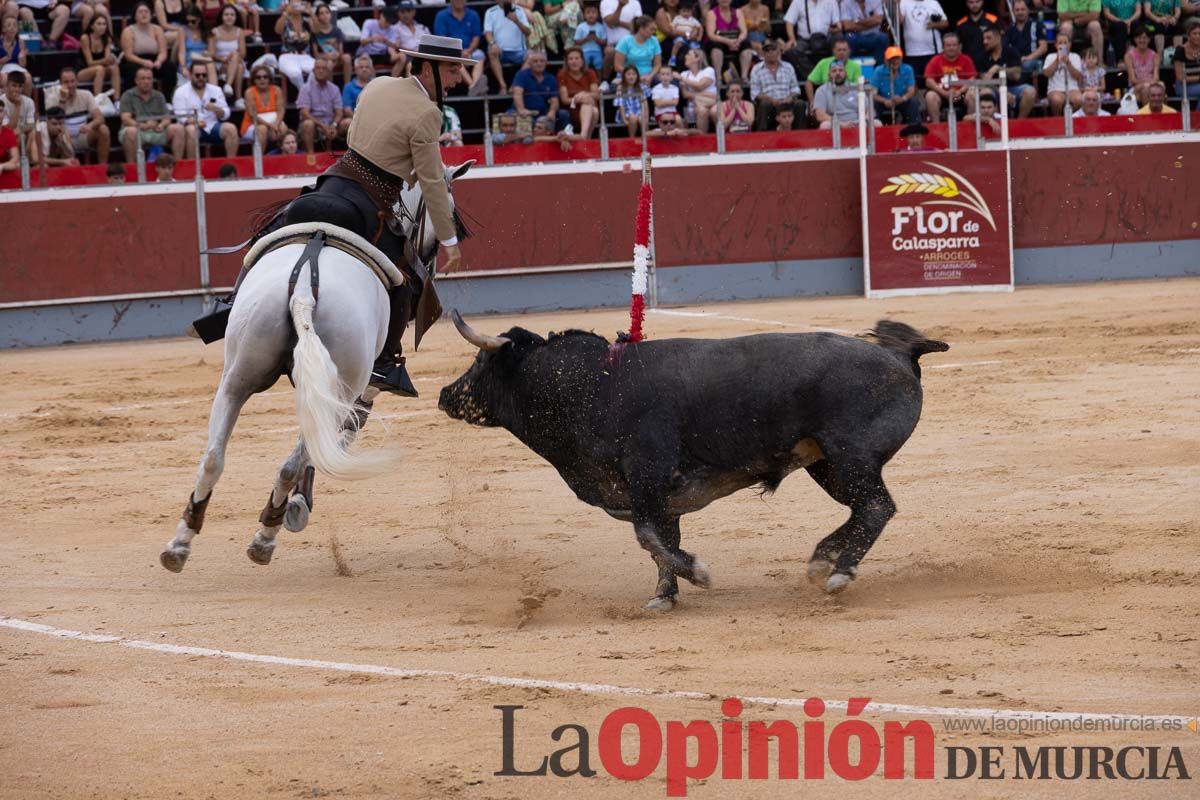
{"type": "Point", "coordinates": [389, 373]}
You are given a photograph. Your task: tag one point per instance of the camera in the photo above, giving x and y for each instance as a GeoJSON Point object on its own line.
{"type": "Point", "coordinates": [935, 17]}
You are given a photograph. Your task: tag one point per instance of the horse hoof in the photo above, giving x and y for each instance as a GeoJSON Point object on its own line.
{"type": "Point", "coordinates": [260, 554]}
{"type": "Point", "coordinates": [173, 560]}
{"type": "Point", "coordinates": [700, 575]}
{"type": "Point", "coordinates": [295, 519]}
{"type": "Point", "coordinates": [660, 603]}
{"type": "Point", "coordinates": [819, 569]}
{"type": "Point", "coordinates": [837, 582]}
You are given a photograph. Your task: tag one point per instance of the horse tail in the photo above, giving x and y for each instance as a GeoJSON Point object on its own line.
{"type": "Point", "coordinates": [325, 416]}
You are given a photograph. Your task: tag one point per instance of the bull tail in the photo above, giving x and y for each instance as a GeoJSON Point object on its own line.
{"type": "Point", "coordinates": [325, 416]}
{"type": "Point", "coordinates": [906, 342]}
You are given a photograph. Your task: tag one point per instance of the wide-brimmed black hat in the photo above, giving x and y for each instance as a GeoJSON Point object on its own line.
{"type": "Point", "coordinates": [911, 130]}
{"type": "Point", "coordinates": [439, 48]}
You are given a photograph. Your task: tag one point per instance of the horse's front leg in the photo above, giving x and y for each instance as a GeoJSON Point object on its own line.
{"type": "Point", "coordinates": [226, 407]}
{"type": "Point", "coordinates": [262, 547]}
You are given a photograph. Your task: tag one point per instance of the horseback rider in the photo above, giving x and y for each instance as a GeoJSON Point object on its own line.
{"type": "Point", "coordinates": [393, 139]}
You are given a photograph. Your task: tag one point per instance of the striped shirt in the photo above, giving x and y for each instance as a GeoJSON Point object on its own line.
{"type": "Point", "coordinates": [779, 86]}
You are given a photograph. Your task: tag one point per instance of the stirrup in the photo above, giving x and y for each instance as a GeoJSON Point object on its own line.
{"type": "Point", "coordinates": [390, 375]}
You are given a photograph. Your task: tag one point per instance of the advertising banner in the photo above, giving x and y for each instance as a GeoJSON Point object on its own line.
{"type": "Point", "coordinates": [937, 222]}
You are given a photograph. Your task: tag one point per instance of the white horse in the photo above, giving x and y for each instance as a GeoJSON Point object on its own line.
{"type": "Point", "coordinates": [337, 340]}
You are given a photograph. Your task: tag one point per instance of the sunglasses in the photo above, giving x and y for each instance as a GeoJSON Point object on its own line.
{"type": "Point", "coordinates": [262, 77]}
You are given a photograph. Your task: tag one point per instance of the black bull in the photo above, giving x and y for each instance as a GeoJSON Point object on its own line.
{"type": "Point", "coordinates": [651, 431]}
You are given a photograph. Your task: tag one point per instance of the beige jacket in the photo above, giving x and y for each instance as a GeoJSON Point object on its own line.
{"type": "Point", "coordinates": [396, 127]}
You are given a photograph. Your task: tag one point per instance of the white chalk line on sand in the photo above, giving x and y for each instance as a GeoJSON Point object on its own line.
{"type": "Point", "coordinates": [577, 687]}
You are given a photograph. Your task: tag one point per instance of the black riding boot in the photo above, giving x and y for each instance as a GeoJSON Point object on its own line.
{"type": "Point", "coordinates": [389, 373]}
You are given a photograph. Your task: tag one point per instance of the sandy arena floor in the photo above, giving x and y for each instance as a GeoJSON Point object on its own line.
{"type": "Point", "coordinates": [1046, 556]}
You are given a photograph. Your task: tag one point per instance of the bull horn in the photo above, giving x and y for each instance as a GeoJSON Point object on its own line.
{"type": "Point", "coordinates": [490, 343]}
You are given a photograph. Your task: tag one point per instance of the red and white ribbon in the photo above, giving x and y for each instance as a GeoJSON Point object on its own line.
{"type": "Point", "coordinates": [641, 264]}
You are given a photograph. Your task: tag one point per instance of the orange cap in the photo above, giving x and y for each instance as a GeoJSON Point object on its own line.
{"type": "Point", "coordinates": [892, 52]}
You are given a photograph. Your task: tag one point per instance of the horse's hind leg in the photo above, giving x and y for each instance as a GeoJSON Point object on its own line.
{"type": "Point", "coordinates": [226, 407]}
{"type": "Point", "coordinates": [263, 546]}
{"type": "Point", "coordinates": [279, 506]}
{"type": "Point", "coordinates": [300, 504]}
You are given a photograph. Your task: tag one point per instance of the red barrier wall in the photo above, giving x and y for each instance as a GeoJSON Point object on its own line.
{"type": "Point", "coordinates": [97, 246]}
{"type": "Point", "coordinates": [705, 213]}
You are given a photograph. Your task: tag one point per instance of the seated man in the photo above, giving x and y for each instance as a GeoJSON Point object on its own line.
{"type": "Point", "coordinates": [85, 123]}
{"type": "Point", "coordinates": [944, 68]}
{"type": "Point", "coordinates": [146, 119]}
{"type": "Point", "coordinates": [1028, 38]}
{"type": "Point", "coordinates": [840, 108]}
{"type": "Point", "coordinates": [19, 112]}
{"type": "Point", "coordinates": [1091, 105]}
{"type": "Point", "coordinates": [1083, 15]}
{"type": "Point", "coordinates": [914, 140]}
{"type": "Point", "coordinates": [987, 114]}
{"type": "Point", "coordinates": [820, 73]}
{"type": "Point", "coordinates": [321, 117]}
{"type": "Point", "coordinates": [996, 58]}
{"type": "Point", "coordinates": [204, 104]}
{"type": "Point", "coordinates": [364, 73]}
{"type": "Point", "coordinates": [773, 86]}
{"type": "Point", "coordinates": [56, 148]}
{"type": "Point", "coordinates": [1158, 101]}
{"type": "Point", "coordinates": [896, 90]}
{"type": "Point", "coordinates": [505, 27]}
{"type": "Point", "coordinates": [535, 91]}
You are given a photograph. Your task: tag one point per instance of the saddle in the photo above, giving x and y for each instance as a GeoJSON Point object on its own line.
{"type": "Point", "coordinates": [211, 327]}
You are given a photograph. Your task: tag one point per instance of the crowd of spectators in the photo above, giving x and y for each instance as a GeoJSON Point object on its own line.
{"type": "Point", "coordinates": [174, 73]}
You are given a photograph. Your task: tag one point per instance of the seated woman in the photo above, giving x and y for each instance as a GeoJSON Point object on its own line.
{"type": "Point", "coordinates": [328, 42]}
{"type": "Point", "coordinates": [227, 49]}
{"type": "Point", "coordinates": [698, 85]}
{"type": "Point", "coordinates": [171, 16]}
{"type": "Point", "coordinates": [265, 105]}
{"type": "Point", "coordinates": [728, 37]}
{"type": "Point", "coordinates": [99, 55]}
{"type": "Point", "coordinates": [144, 44]}
{"type": "Point", "coordinates": [736, 113]}
{"type": "Point", "coordinates": [579, 92]}
{"type": "Point", "coordinates": [192, 42]}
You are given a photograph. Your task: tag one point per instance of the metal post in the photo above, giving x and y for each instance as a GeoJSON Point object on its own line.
{"type": "Point", "coordinates": [1187, 106]}
{"type": "Point", "coordinates": [1004, 110]}
{"type": "Point", "coordinates": [645, 115]}
{"type": "Point", "coordinates": [489, 155]}
{"type": "Point", "coordinates": [603, 131]}
{"type": "Point", "coordinates": [141, 162]}
{"type": "Point", "coordinates": [863, 122]}
{"type": "Point", "coordinates": [978, 117]}
{"type": "Point", "coordinates": [1068, 120]}
{"type": "Point", "coordinates": [952, 120]}
{"type": "Point", "coordinates": [23, 135]}
{"type": "Point", "coordinates": [258, 154]}
{"type": "Point", "coordinates": [871, 115]}
{"type": "Point", "coordinates": [835, 125]}
{"type": "Point", "coordinates": [720, 128]}
{"type": "Point", "coordinates": [201, 218]}
{"type": "Point", "coordinates": [652, 266]}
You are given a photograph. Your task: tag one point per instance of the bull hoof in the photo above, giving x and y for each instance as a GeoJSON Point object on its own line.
{"type": "Point", "coordinates": [295, 519]}
{"type": "Point", "coordinates": [173, 560]}
{"type": "Point", "coordinates": [261, 553]}
{"type": "Point", "coordinates": [660, 603]}
{"type": "Point", "coordinates": [837, 582]}
{"type": "Point", "coordinates": [700, 574]}
{"type": "Point", "coordinates": [819, 569]}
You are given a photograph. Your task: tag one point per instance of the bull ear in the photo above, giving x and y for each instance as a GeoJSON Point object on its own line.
{"type": "Point", "coordinates": [482, 341]}
{"type": "Point", "coordinates": [461, 169]}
